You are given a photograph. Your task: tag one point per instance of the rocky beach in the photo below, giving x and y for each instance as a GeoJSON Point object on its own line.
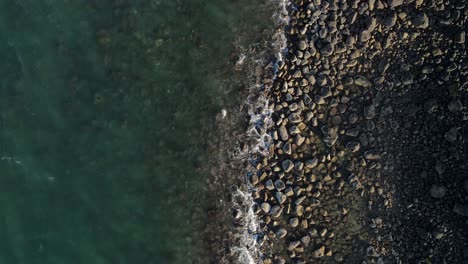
{"type": "Point", "coordinates": [235, 131]}
{"type": "Point", "coordinates": [365, 148]}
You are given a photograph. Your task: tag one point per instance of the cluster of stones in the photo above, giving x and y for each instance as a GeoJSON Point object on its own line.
{"type": "Point", "coordinates": [322, 194]}
{"type": "Point", "coordinates": [427, 86]}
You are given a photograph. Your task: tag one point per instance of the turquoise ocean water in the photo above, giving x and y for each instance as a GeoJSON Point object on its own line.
{"type": "Point", "coordinates": [106, 107]}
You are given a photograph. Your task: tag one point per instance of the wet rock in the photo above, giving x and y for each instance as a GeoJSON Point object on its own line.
{"type": "Point", "coordinates": [438, 191]}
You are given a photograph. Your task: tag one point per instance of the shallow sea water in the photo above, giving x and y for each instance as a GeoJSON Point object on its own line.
{"type": "Point", "coordinates": [105, 109]}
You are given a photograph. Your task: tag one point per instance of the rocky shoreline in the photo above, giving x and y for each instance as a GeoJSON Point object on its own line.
{"type": "Point", "coordinates": [369, 149]}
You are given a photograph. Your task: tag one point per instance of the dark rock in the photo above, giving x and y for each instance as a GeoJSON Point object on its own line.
{"type": "Point", "coordinates": [311, 163]}
{"type": "Point", "coordinates": [394, 3]}
{"type": "Point", "coordinates": [265, 207]}
{"type": "Point", "coordinates": [353, 146]}
{"type": "Point", "coordinates": [438, 191]}
{"type": "Point", "coordinates": [279, 185]}
{"type": "Point", "coordinates": [283, 133]}
{"type": "Point", "coordinates": [362, 81]}
{"type": "Point", "coordinates": [421, 21]}
{"type": "Point", "coordinates": [276, 211]}
{"type": "Point", "coordinates": [364, 35]}
{"type": "Point", "coordinates": [319, 252]}
{"type": "Point", "coordinates": [369, 112]}
{"type": "Point", "coordinates": [302, 45]}
{"type": "Point", "coordinates": [451, 135]}
{"type": "Point", "coordinates": [460, 209]}
{"type": "Point", "coordinates": [390, 20]}
{"type": "Point", "coordinates": [371, 155]}
{"type": "Point", "coordinates": [327, 50]}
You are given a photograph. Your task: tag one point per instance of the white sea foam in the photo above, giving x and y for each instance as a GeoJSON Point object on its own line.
{"type": "Point", "coordinates": [259, 138]}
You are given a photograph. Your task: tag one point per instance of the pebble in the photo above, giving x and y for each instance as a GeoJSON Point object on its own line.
{"type": "Point", "coordinates": [287, 148]}
{"type": "Point", "coordinates": [265, 207]}
{"type": "Point", "coordinates": [369, 112]}
{"type": "Point", "coordinates": [455, 106]}
{"type": "Point", "coordinates": [295, 118]}
{"type": "Point", "coordinates": [353, 146]}
{"type": "Point", "coordinates": [302, 45]}
{"type": "Point", "coordinates": [438, 191]}
{"type": "Point", "coordinates": [305, 240]}
{"type": "Point", "coordinates": [371, 155]}
{"type": "Point", "coordinates": [327, 50]}
{"type": "Point", "coordinates": [293, 222]}
{"type": "Point", "coordinates": [362, 81]}
{"type": "Point", "coordinates": [421, 21]}
{"type": "Point", "coordinates": [292, 245]}
{"type": "Point", "coordinates": [269, 185]}
{"type": "Point", "coordinates": [438, 233]}
{"type": "Point", "coordinates": [276, 211]}
{"type": "Point", "coordinates": [460, 209]}
{"type": "Point", "coordinates": [281, 233]}
{"type": "Point", "coordinates": [460, 37]}
{"type": "Point", "coordinates": [364, 35]}
{"type": "Point", "coordinates": [390, 20]}
{"type": "Point", "coordinates": [279, 185]}
{"type": "Point", "coordinates": [287, 165]}
{"type": "Point", "coordinates": [311, 163]}
{"type": "Point", "coordinates": [394, 3]}
{"type": "Point", "coordinates": [319, 252]}
{"type": "Point", "coordinates": [281, 197]}
{"type": "Point", "coordinates": [451, 135]}
{"type": "Point", "coordinates": [283, 133]}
